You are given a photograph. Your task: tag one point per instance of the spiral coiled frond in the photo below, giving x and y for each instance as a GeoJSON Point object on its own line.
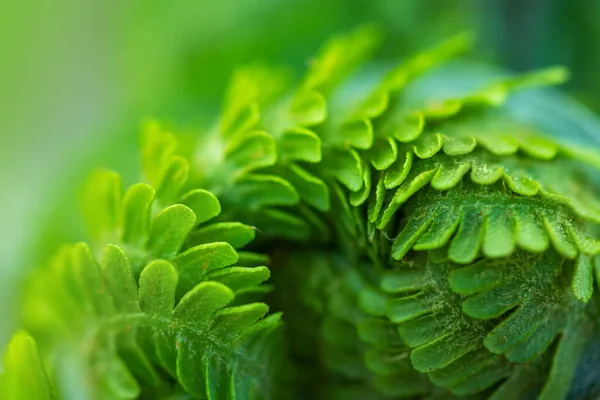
{"type": "Point", "coordinates": [427, 244]}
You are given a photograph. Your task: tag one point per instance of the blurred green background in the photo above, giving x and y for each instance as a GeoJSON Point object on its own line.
{"type": "Point", "coordinates": [78, 77]}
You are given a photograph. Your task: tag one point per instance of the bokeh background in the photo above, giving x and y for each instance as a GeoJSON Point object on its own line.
{"type": "Point", "coordinates": [78, 77]}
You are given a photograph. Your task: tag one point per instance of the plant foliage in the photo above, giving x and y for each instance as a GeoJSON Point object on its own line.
{"type": "Point", "coordinates": [423, 246]}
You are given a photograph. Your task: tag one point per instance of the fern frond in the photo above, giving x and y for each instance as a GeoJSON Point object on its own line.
{"type": "Point", "coordinates": [163, 306]}
{"type": "Point", "coordinates": [427, 244]}
{"type": "Point", "coordinates": [463, 177]}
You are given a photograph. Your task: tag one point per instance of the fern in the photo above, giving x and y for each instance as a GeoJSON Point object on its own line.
{"type": "Point", "coordinates": [156, 310]}
{"type": "Point", "coordinates": [425, 244]}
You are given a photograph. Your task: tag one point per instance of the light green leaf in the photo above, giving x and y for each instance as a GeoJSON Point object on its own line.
{"type": "Point", "coordinates": [229, 323]}
{"type": "Point", "coordinates": [119, 278]}
{"type": "Point", "coordinates": [136, 214]}
{"type": "Point", "coordinates": [582, 284]}
{"type": "Point", "coordinates": [308, 108]}
{"type": "Point", "coordinates": [237, 278]}
{"type": "Point", "coordinates": [204, 204]}
{"type": "Point", "coordinates": [300, 144]}
{"type": "Point", "coordinates": [194, 263]}
{"type": "Point", "coordinates": [23, 376]}
{"type": "Point", "coordinates": [251, 150]}
{"type": "Point", "coordinates": [258, 191]}
{"type": "Point", "coordinates": [158, 282]}
{"type": "Point", "coordinates": [358, 134]}
{"type": "Point", "coordinates": [158, 146]}
{"type": "Point", "coordinates": [408, 128]}
{"type": "Point", "coordinates": [428, 145]}
{"type": "Point", "coordinates": [174, 178]}
{"type": "Point", "coordinates": [397, 173]}
{"type": "Point", "coordinates": [169, 229]}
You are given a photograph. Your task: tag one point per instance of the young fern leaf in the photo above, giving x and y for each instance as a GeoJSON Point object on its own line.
{"type": "Point", "coordinates": [357, 345]}
{"type": "Point", "coordinates": [496, 184]}
{"type": "Point", "coordinates": [161, 301]}
{"type": "Point", "coordinates": [145, 330]}
{"type": "Point", "coordinates": [23, 376]}
{"type": "Point", "coordinates": [431, 245]}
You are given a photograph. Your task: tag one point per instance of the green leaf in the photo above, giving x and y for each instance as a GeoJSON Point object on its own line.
{"type": "Point", "coordinates": [359, 197]}
{"type": "Point", "coordinates": [582, 284]}
{"type": "Point", "coordinates": [158, 146]}
{"type": "Point", "coordinates": [245, 119]}
{"type": "Point", "coordinates": [118, 380]}
{"type": "Point", "coordinates": [522, 185]}
{"type": "Point", "coordinates": [538, 342]}
{"type": "Point", "coordinates": [560, 238]}
{"type": "Point", "coordinates": [383, 153]}
{"type": "Point", "coordinates": [136, 214]}
{"type": "Point", "coordinates": [441, 109]}
{"type": "Point", "coordinates": [174, 178]}
{"type": "Point", "coordinates": [301, 145]}
{"type": "Point", "coordinates": [281, 224]}
{"type": "Point", "coordinates": [194, 312]}
{"type": "Point", "coordinates": [229, 323]}
{"type": "Point", "coordinates": [441, 230]}
{"type": "Point", "coordinates": [119, 278]}
{"type": "Point", "coordinates": [340, 56]}
{"type": "Point", "coordinates": [169, 229]}
{"type": "Point", "coordinates": [531, 235]}
{"type": "Point", "coordinates": [423, 330]}
{"type": "Point", "coordinates": [310, 188]}
{"type": "Point", "coordinates": [218, 378]}
{"type": "Point", "coordinates": [405, 191]}
{"type": "Point", "coordinates": [87, 280]}
{"type": "Point", "coordinates": [465, 245]}
{"type": "Point", "coordinates": [190, 365]}
{"type": "Point", "coordinates": [428, 58]}
{"type": "Point", "coordinates": [204, 204]}
{"type": "Point", "coordinates": [358, 134]}
{"type": "Point", "coordinates": [423, 307]}
{"type": "Point", "coordinates": [527, 282]}
{"type": "Point", "coordinates": [23, 377]}
{"type": "Point", "coordinates": [458, 146]}
{"type": "Point", "coordinates": [428, 145]}
{"type": "Point", "coordinates": [237, 278]}
{"type": "Point", "coordinates": [308, 108]}
{"type": "Point", "coordinates": [571, 346]}
{"type": "Point", "coordinates": [409, 236]}
{"type": "Point", "coordinates": [448, 175]}
{"type": "Point", "coordinates": [466, 368]}
{"type": "Point", "coordinates": [398, 172]}
{"type": "Point", "coordinates": [250, 259]}
{"type": "Point", "coordinates": [378, 332]}
{"type": "Point", "coordinates": [251, 151]}
{"type": "Point", "coordinates": [442, 352]}
{"type": "Point", "coordinates": [258, 191]}
{"type": "Point", "coordinates": [345, 166]}
{"type": "Point", "coordinates": [485, 174]}
{"type": "Point", "coordinates": [407, 128]}
{"type": "Point", "coordinates": [158, 282]}
{"type": "Point", "coordinates": [388, 361]}
{"type": "Point", "coordinates": [483, 379]}
{"type": "Point", "coordinates": [499, 237]}
{"type": "Point", "coordinates": [375, 104]}
{"type": "Point", "coordinates": [194, 263]}
{"type": "Point", "coordinates": [236, 234]}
